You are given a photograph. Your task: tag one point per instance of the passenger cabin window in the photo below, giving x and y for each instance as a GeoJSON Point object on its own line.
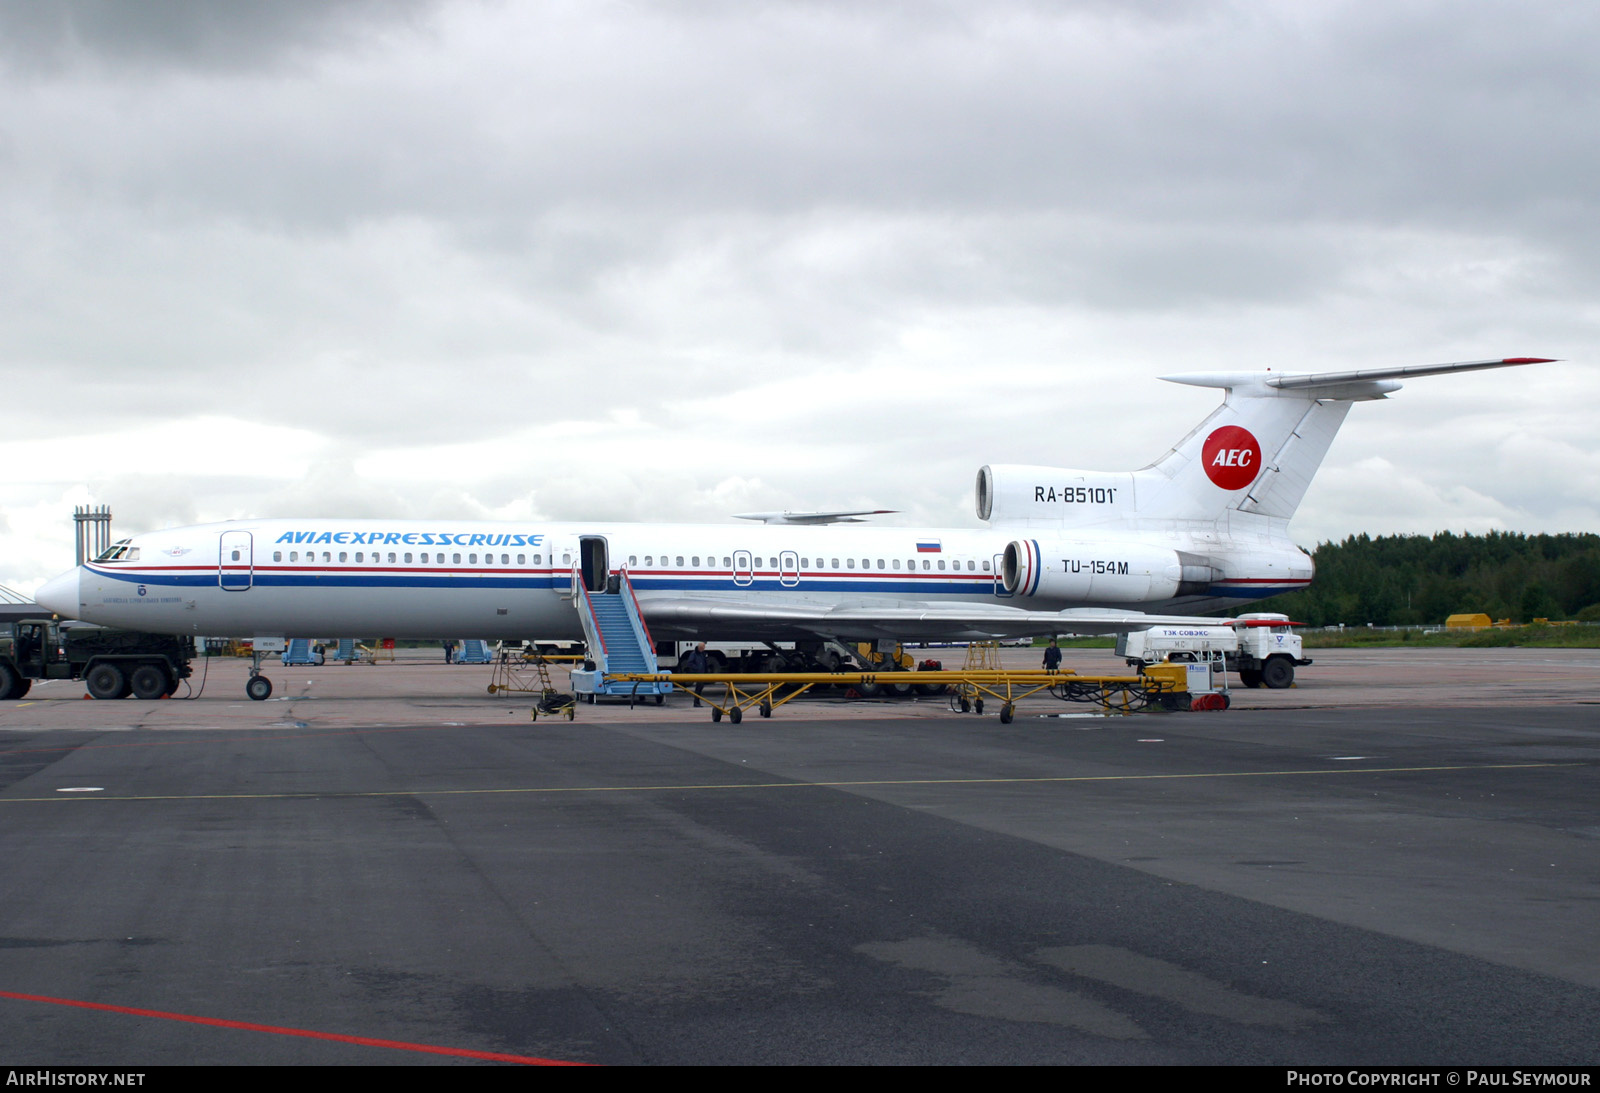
{"type": "Point", "coordinates": [277, 555]}
{"type": "Point", "coordinates": [455, 559]}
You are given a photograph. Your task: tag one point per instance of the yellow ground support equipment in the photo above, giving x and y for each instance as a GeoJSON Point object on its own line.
{"type": "Point", "coordinates": [1157, 687]}
{"type": "Point", "coordinates": [983, 656]}
{"type": "Point", "coordinates": [529, 673]}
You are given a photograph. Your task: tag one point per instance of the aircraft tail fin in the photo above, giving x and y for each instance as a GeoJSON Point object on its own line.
{"type": "Point", "coordinates": [1258, 451]}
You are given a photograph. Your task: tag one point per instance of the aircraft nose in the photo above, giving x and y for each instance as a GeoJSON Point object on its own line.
{"type": "Point", "coordinates": [60, 594]}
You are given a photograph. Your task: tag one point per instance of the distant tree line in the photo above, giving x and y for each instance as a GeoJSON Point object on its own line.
{"type": "Point", "coordinates": [1405, 580]}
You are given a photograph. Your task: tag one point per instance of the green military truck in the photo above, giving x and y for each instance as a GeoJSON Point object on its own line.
{"type": "Point", "coordinates": [111, 663]}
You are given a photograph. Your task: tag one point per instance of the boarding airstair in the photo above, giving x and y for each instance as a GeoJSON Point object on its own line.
{"type": "Point", "coordinates": [474, 651]}
{"type": "Point", "coordinates": [618, 640]}
{"type": "Point", "coordinates": [301, 651]}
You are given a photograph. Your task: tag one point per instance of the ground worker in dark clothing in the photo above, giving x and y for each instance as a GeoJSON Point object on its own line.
{"type": "Point", "coordinates": [1052, 657]}
{"type": "Point", "coordinates": [695, 662]}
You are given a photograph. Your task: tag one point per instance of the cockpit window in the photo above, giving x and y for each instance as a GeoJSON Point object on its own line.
{"type": "Point", "coordinates": [120, 551]}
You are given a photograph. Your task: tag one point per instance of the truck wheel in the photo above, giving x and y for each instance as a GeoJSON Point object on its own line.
{"type": "Point", "coordinates": [105, 681]}
{"type": "Point", "coordinates": [869, 690]}
{"type": "Point", "coordinates": [1250, 677]}
{"type": "Point", "coordinates": [1277, 673]}
{"type": "Point", "coordinates": [259, 688]}
{"type": "Point", "coordinates": [8, 684]}
{"type": "Point", "coordinates": [21, 688]}
{"type": "Point", "coordinates": [149, 682]}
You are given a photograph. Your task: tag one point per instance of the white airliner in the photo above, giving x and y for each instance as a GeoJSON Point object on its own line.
{"type": "Point", "coordinates": [1203, 528]}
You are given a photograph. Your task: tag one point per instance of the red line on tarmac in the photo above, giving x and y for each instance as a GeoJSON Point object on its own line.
{"type": "Point", "coordinates": [364, 1041]}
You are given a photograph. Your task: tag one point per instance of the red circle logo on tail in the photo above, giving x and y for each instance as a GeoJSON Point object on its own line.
{"type": "Point", "coordinates": [1232, 457]}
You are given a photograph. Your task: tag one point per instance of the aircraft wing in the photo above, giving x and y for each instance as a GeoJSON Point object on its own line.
{"type": "Point", "coordinates": [734, 620]}
{"type": "Point", "coordinates": [843, 516]}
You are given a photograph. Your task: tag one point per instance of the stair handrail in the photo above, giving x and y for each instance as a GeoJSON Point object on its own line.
{"type": "Point", "coordinates": [588, 612]}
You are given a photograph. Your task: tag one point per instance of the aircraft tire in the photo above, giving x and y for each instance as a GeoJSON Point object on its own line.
{"type": "Point", "coordinates": [105, 681]}
{"type": "Point", "coordinates": [149, 682]}
{"type": "Point", "coordinates": [258, 688]}
{"type": "Point", "coordinates": [1277, 673]}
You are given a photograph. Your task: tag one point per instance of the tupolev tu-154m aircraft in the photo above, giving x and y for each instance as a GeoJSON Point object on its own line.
{"type": "Point", "coordinates": [1203, 528]}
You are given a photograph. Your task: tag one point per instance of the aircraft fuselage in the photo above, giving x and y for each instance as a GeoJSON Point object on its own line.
{"type": "Point", "coordinates": [426, 579]}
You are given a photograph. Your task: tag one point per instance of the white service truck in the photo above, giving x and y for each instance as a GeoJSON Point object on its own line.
{"type": "Point", "coordinates": [1261, 646]}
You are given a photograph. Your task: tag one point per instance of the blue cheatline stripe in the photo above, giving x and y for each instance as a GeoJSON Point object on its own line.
{"type": "Point", "coordinates": [952, 586]}
{"type": "Point", "coordinates": [923, 587]}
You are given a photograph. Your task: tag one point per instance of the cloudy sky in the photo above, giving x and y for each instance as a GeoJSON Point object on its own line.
{"type": "Point", "coordinates": [676, 260]}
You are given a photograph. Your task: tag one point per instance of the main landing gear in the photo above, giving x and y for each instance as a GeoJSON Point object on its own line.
{"type": "Point", "coordinates": [258, 686]}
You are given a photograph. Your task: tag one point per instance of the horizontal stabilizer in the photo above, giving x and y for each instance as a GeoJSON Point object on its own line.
{"type": "Point", "coordinates": [1363, 383]}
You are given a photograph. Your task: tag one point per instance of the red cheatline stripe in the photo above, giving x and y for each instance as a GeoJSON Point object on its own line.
{"type": "Point", "coordinates": [365, 1041]}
